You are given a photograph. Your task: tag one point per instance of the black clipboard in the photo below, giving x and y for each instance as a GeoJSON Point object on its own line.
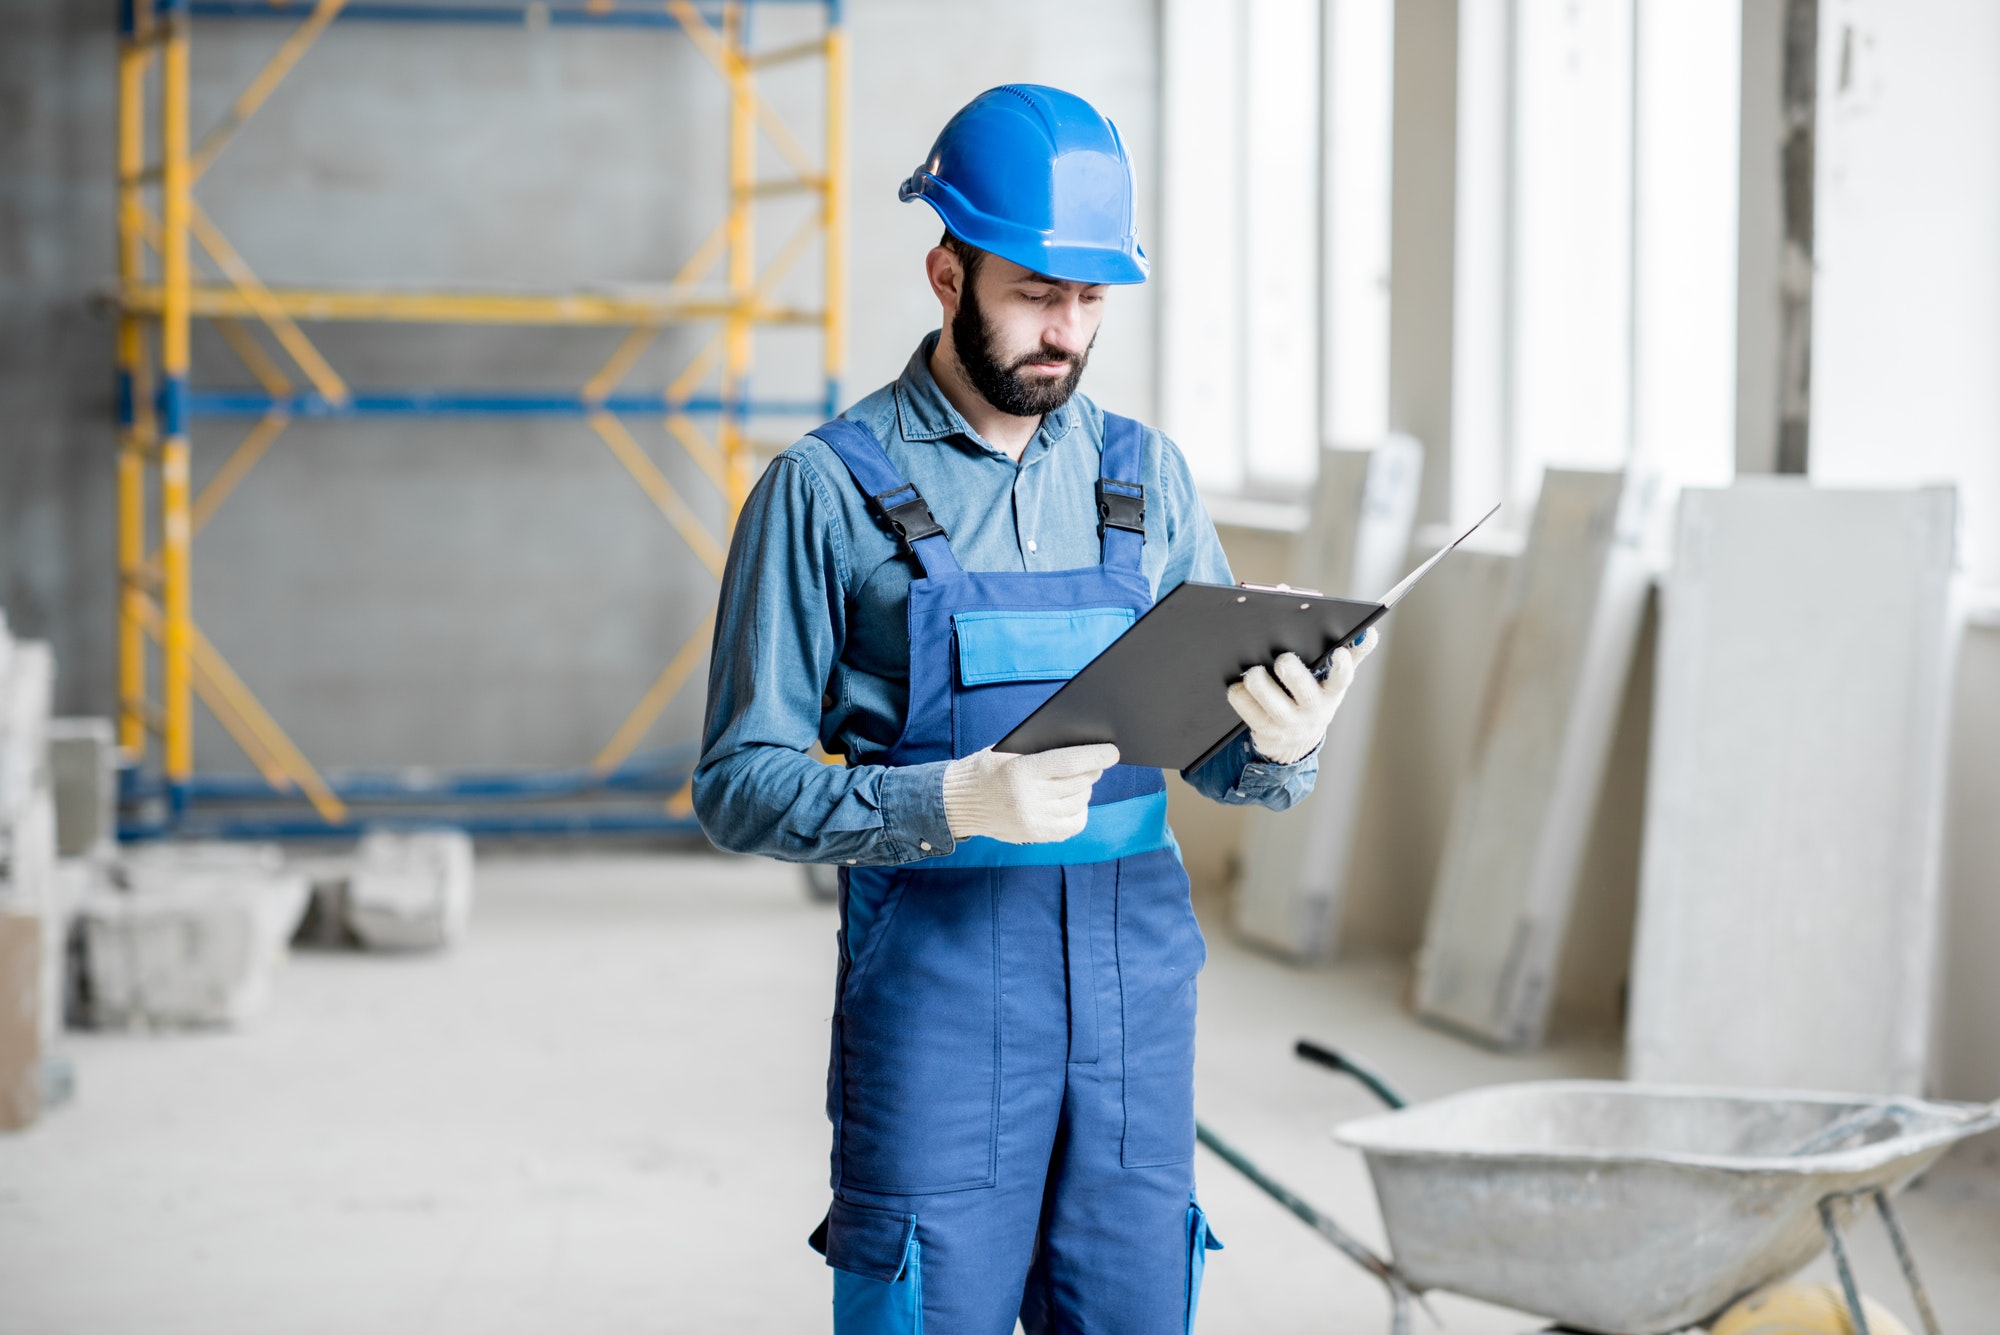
{"type": "Point", "coordinates": [1160, 690]}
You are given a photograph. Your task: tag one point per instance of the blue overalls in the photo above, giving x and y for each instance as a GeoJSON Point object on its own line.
{"type": "Point", "coordinates": [1012, 1076]}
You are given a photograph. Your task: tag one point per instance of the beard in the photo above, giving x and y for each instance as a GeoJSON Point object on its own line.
{"type": "Point", "coordinates": [1004, 383]}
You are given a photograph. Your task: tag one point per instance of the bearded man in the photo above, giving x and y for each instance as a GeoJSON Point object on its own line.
{"type": "Point", "coordinates": [1012, 1077]}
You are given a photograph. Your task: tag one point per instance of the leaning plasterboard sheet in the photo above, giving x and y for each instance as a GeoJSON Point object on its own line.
{"type": "Point", "coordinates": [1522, 815]}
{"type": "Point", "coordinates": [1788, 892]}
{"type": "Point", "coordinates": [1356, 544]}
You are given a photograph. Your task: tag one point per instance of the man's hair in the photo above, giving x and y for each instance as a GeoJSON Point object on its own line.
{"type": "Point", "coordinates": [970, 256]}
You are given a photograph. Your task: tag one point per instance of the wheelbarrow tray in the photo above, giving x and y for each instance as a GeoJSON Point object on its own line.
{"type": "Point", "coordinates": [1631, 1209]}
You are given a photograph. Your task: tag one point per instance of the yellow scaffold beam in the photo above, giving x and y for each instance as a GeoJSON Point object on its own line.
{"type": "Point", "coordinates": [176, 207]}
{"type": "Point", "coordinates": [268, 428]}
{"type": "Point", "coordinates": [264, 84]}
{"type": "Point", "coordinates": [137, 437]}
{"type": "Point", "coordinates": [654, 483]}
{"type": "Point", "coordinates": [258, 300]}
{"type": "Point", "coordinates": [281, 763]}
{"type": "Point", "coordinates": [210, 300]}
{"type": "Point", "coordinates": [158, 302]}
{"type": "Point", "coordinates": [635, 343]}
{"type": "Point", "coordinates": [664, 687]}
{"type": "Point", "coordinates": [251, 353]}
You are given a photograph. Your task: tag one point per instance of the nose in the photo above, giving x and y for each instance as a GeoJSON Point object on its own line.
{"type": "Point", "coordinates": [1068, 328]}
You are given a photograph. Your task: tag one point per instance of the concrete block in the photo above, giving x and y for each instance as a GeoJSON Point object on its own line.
{"type": "Point", "coordinates": [1521, 819]}
{"type": "Point", "coordinates": [27, 693]}
{"type": "Point", "coordinates": [28, 853]}
{"type": "Point", "coordinates": [185, 946]}
{"type": "Point", "coordinates": [23, 1031]}
{"type": "Point", "coordinates": [1789, 887]}
{"type": "Point", "coordinates": [83, 769]}
{"type": "Point", "coordinates": [410, 891]}
{"type": "Point", "coordinates": [143, 864]}
{"type": "Point", "coordinates": [1356, 545]}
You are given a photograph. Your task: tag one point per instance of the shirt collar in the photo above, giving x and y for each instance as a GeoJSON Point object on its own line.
{"type": "Point", "coordinates": [924, 413]}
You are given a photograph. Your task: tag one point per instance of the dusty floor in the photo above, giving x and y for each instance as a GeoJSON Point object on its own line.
{"type": "Point", "coordinates": [603, 1115]}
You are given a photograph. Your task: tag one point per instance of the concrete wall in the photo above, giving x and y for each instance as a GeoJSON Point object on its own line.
{"type": "Point", "coordinates": [56, 554]}
{"type": "Point", "coordinates": [465, 592]}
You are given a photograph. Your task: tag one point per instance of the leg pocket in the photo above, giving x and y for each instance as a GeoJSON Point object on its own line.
{"type": "Point", "coordinates": [878, 1279]}
{"type": "Point", "coordinates": [1200, 1243]}
{"type": "Point", "coordinates": [1160, 952]}
{"type": "Point", "coordinates": [919, 1034]}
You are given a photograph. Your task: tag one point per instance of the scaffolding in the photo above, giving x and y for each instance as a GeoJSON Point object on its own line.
{"type": "Point", "coordinates": [160, 295]}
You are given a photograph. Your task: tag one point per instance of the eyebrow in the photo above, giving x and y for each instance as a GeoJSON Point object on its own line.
{"type": "Point", "coordinates": [1033, 277]}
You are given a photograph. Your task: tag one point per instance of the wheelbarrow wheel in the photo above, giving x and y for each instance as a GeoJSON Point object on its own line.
{"type": "Point", "coordinates": [1803, 1309]}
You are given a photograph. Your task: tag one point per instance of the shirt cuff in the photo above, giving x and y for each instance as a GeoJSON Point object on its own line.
{"type": "Point", "coordinates": [1260, 777]}
{"type": "Point", "coordinates": [913, 811]}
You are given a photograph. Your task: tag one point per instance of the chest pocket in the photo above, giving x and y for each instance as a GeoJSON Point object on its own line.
{"type": "Point", "coordinates": [1007, 662]}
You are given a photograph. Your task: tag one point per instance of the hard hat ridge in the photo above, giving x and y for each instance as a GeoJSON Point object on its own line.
{"type": "Point", "coordinates": [1037, 176]}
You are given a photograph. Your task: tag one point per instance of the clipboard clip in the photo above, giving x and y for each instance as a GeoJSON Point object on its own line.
{"type": "Point", "coordinates": [1280, 588]}
{"type": "Point", "coordinates": [1124, 509]}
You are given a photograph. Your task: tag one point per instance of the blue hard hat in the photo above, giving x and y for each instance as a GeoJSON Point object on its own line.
{"type": "Point", "coordinates": [1037, 176]}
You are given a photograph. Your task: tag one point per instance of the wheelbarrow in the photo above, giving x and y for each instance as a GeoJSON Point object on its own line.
{"type": "Point", "coordinates": [1624, 1209]}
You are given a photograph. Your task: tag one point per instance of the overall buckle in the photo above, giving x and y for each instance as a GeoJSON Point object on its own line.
{"type": "Point", "coordinates": [912, 518]}
{"type": "Point", "coordinates": [1124, 508]}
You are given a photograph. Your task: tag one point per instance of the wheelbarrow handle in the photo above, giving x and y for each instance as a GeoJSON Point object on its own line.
{"type": "Point", "coordinates": [1346, 1065]}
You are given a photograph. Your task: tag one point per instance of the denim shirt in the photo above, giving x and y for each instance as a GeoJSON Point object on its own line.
{"type": "Point", "coordinates": [812, 642]}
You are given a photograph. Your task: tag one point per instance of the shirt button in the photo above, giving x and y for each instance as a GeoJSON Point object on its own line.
{"type": "Point", "coordinates": [852, 861]}
{"type": "Point", "coordinates": [924, 844]}
{"type": "Point", "coordinates": [1031, 544]}
{"type": "Point", "coordinates": [826, 701]}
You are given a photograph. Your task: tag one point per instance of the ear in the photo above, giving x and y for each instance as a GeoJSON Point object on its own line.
{"type": "Point", "coordinates": [947, 275]}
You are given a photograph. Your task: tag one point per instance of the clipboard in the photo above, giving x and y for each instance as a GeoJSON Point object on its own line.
{"type": "Point", "coordinates": [1160, 690]}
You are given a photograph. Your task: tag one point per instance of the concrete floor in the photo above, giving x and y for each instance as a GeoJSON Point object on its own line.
{"type": "Point", "coordinates": [603, 1115]}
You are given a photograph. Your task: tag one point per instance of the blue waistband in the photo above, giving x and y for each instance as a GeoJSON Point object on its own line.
{"type": "Point", "coordinates": [1120, 829]}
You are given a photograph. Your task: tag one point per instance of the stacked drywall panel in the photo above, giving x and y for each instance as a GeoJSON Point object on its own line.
{"type": "Point", "coordinates": [1356, 545]}
{"type": "Point", "coordinates": [1789, 885]}
{"type": "Point", "coordinates": [1521, 819]}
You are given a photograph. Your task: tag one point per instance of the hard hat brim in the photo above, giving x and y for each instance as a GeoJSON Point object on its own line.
{"type": "Point", "coordinates": [1024, 246]}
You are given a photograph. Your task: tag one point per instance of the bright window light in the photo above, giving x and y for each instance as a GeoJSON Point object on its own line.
{"type": "Point", "coordinates": [1360, 55]}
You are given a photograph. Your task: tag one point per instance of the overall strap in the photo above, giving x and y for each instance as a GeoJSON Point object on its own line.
{"type": "Point", "coordinates": [1121, 499]}
{"type": "Point", "coordinates": [890, 498]}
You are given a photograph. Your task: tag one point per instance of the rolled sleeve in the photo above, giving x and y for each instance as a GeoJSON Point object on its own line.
{"type": "Point", "coordinates": [913, 808]}
{"type": "Point", "coordinates": [1237, 776]}
{"type": "Point", "coordinates": [780, 624]}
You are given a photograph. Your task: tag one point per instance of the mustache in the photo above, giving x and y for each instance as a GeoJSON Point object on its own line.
{"type": "Point", "coordinates": [1047, 353]}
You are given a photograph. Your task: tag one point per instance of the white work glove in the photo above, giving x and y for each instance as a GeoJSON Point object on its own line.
{"type": "Point", "coordinates": [1034, 799]}
{"type": "Point", "coordinates": [1288, 713]}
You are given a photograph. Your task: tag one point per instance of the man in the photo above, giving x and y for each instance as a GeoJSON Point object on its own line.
{"type": "Point", "coordinates": [1011, 1086]}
